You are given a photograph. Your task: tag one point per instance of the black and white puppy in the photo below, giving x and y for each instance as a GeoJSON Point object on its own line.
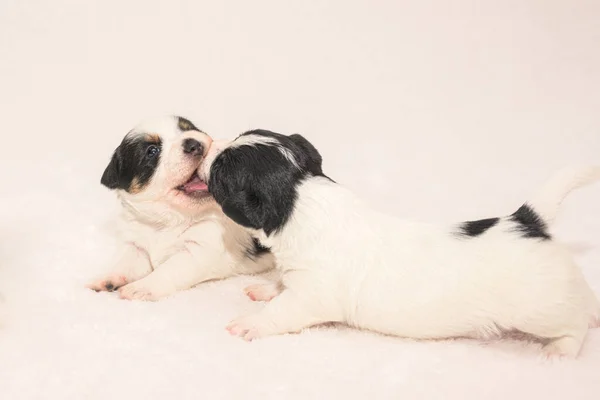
{"type": "Point", "coordinates": [174, 235]}
{"type": "Point", "coordinates": [343, 261]}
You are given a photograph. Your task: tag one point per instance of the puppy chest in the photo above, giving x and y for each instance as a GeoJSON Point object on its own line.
{"type": "Point", "coordinates": [160, 245]}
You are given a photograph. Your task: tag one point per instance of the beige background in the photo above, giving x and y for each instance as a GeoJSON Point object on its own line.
{"type": "Point", "coordinates": [434, 110]}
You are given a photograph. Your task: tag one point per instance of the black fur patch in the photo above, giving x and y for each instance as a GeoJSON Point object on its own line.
{"type": "Point", "coordinates": [256, 249]}
{"type": "Point", "coordinates": [256, 184]}
{"type": "Point", "coordinates": [133, 163]}
{"type": "Point", "coordinates": [529, 223]}
{"type": "Point", "coordinates": [476, 228]}
{"type": "Point", "coordinates": [186, 125]}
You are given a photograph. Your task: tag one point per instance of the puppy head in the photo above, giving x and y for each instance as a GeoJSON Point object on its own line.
{"type": "Point", "coordinates": [157, 162]}
{"type": "Point", "coordinates": [255, 177]}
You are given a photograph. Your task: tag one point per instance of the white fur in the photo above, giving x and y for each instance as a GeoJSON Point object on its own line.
{"type": "Point", "coordinates": [169, 241]}
{"type": "Point", "coordinates": [343, 261]}
{"type": "Point", "coordinates": [158, 262]}
{"type": "Point", "coordinates": [253, 140]}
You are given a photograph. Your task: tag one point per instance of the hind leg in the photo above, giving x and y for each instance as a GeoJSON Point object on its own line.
{"type": "Point", "coordinates": [564, 340]}
{"type": "Point", "coordinates": [595, 319]}
{"type": "Point", "coordinates": [594, 308]}
{"type": "Point", "coordinates": [566, 346]}
{"type": "Point", "coordinates": [564, 329]}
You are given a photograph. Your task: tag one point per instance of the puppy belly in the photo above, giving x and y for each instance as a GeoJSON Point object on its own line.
{"type": "Point", "coordinates": [467, 289]}
{"type": "Point", "coordinates": [485, 316]}
{"type": "Point", "coordinates": [425, 324]}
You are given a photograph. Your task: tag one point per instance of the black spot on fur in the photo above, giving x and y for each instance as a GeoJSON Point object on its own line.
{"type": "Point", "coordinates": [256, 184]}
{"type": "Point", "coordinates": [476, 228]}
{"type": "Point", "coordinates": [256, 249]}
{"type": "Point", "coordinates": [133, 163]}
{"type": "Point", "coordinates": [529, 223]}
{"type": "Point", "coordinates": [186, 125]}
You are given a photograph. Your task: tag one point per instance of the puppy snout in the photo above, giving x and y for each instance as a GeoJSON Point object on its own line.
{"type": "Point", "coordinates": [193, 147]}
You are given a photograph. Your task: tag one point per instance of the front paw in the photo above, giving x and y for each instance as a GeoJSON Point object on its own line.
{"type": "Point", "coordinates": [108, 284]}
{"type": "Point", "coordinates": [247, 328]}
{"type": "Point", "coordinates": [263, 291]}
{"type": "Point", "coordinates": [137, 291]}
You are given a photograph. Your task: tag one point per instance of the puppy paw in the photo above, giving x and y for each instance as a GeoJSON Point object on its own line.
{"type": "Point", "coordinates": [263, 291]}
{"type": "Point", "coordinates": [562, 348]}
{"type": "Point", "coordinates": [247, 328]}
{"type": "Point", "coordinates": [135, 291]}
{"type": "Point", "coordinates": [108, 284]}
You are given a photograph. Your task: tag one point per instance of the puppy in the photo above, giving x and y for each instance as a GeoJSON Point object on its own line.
{"type": "Point", "coordinates": [342, 261]}
{"type": "Point", "coordinates": [173, 234]}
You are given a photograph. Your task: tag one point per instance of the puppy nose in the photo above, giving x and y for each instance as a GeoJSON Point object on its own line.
{"type": "Point", "coordinates": [193, 147]}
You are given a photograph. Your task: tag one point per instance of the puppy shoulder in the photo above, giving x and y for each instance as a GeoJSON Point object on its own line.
{"type": "Point", "coordinates": [132, 231]}
{"type": "Point", "coordinates": [207, 232]}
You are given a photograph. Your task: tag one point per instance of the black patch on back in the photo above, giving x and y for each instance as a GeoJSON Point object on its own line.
{"type": "Point", "coordinates": [131, 168]}
{"type": "Point", "coordinates": [256, 184]}
{"type": "Point", "coordinates": [529, 223]}
{"type": "Point", "coordinates": [186, 125]}
{"type": "Point", "coordinates": [476, 228]}
{"type": "Point", "coordinates": [256, 249]}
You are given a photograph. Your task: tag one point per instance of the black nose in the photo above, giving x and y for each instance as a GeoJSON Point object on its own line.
{"type": "Point", "coordinates": [193, 147]}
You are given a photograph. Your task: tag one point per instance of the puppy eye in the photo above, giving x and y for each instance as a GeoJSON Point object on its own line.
{"type": "Point", "coordinates": [152, 151]}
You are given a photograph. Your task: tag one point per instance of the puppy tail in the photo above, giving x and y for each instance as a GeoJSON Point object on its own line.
{"type": "Point", "coordinates": [547, 200]}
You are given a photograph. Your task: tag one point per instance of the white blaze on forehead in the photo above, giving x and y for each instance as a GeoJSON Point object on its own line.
{"type": "Point", "coordinates": [164, 126]}
{"type": "Point", "coordinates": [251, 140]}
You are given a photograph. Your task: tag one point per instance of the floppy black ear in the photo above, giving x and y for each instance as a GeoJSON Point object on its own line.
{"type": "Point", "coordinates": [112, 174]}
{"type": "Point", "coordinates": [313, 160]}
{"type": "Point", "coordinates": [245, 209]}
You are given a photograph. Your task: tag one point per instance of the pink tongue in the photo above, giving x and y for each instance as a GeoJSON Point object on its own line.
{"type": "Point", "coordinates": [195, 185]}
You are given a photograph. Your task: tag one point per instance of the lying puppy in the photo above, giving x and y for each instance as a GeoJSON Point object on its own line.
{"type": "Point", "coordinates": [174, 235]}
{"type": "Point", "coordinates": [342, 261]}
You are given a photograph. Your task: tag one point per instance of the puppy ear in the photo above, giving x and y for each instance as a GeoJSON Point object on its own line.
{"type": "Point", "coordinates": [313, 161]}
{"type": "Point", "coordinates": [112, 174]}
{"type": "Point", "coordinates": [245, 209]}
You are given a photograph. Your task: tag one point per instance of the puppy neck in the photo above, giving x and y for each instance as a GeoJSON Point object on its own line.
{"type": "Point", "coordinates": [163, 216]}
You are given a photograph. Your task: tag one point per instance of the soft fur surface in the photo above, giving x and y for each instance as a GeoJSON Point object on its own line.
{"type": "Point", "coordinates": [434, 110]}
{"type": "Point", "coordinates": [63, 341]}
